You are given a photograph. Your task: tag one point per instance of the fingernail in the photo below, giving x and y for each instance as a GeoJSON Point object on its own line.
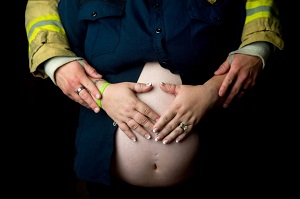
{"type": "Point", "coordinates": [165, 142]}
{"type": "Point", "coordinates": [225, 105]}
{"type": "Point", "coordinates": [177, 141]}
{"type": "Point", "coordinates": [147, 136]}
{"type": "Point", "coordinates": [97, 96]}
{"type": "Point", "coordinates": [156, 139]}
{"type": "Point", "coordinates": [133, 139]}
{"type": "Point", "coordinates": [96, 110]}
{"type": "Point", "coordinates": [149, 84]}
{"type": "Point", "coordinates": [162, 83]}
{"type": "Point", "coordinates": [154, 130]}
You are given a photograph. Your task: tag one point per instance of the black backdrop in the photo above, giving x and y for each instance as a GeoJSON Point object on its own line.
{"type": "Point", "coordinates": [38, 141]}
{"type": "Point", "coordinates": [40, 123]}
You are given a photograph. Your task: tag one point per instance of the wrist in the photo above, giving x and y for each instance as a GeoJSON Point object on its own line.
{"type": "Point", "coordinates": [51, 65]}
{"type": "Point", "coordinates": [259, 49]}
{"type": "Point", "coordinates": [212, 87]}
{"type": "Point", "coordinates": [102, 86]}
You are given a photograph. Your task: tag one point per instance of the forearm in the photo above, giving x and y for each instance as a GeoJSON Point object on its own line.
{"type": "Point", "coordinates": [262, 23]}
{"type": "Point", "coordinates": [212, 88]}
{"type": "Point", "coordinates": [262, 30]}
{"type": "Point", "coordinates": [45, 34]}
{"type": "Point", "coordinates": [260, 49]}
{"type": "Point", "coordinates": [51, 65]}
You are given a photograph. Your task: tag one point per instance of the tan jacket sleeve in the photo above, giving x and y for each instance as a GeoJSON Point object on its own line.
{"type": "Point", "coordinates": [45, 33]}
{"type": "Point", "coordinates": [262, 23]}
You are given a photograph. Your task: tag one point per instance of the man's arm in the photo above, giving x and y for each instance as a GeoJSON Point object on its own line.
{"type": "Point", "coordinates": [262, 23]}
{"type": "Point", "coordinates": [49, 51]}
{"type": "Point", "coordinates": [261, 36]}
{"type": "Point", "coordinates": [46, 35]}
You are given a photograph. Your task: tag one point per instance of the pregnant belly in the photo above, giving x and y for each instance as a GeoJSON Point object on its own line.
{"type": "Point", "coordinates": [147, 162]}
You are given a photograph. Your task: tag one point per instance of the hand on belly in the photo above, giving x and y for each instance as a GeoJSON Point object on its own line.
{"type": "Point", "coordinates": [151, 163]}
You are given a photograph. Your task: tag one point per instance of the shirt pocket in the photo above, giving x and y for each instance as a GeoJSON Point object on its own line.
{"type": "Point", "coordinates": [103, 20]}
{"type": "Point", "coordinates": [210, 12]}
{"type": "Point", "coordinates": [216, 27]}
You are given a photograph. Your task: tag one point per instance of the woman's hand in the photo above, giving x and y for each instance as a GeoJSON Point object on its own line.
{"type": "Point", "coordinates": [72, 76]}
{"type": "Point", "coordinates": [242, 73]}
{"type": "Point", "coordinates": [190, 105]}
{"type": "Point", "coordinates": [130, 113]}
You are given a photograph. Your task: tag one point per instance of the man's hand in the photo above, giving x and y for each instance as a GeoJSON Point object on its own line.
{"type": "Point", "coordinates": [73, 79]}
{"type": "Point", "coordinates": [242, 71]}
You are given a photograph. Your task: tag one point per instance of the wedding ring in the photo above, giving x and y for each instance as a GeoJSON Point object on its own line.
{"type": "Point", "coordinates": [80, 89]}
{"type": "Point", "coordinates": [183, 126]}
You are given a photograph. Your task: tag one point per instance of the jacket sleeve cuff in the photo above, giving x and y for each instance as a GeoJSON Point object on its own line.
{"type": "Point", "coordinates": [51, 65]}
{"type": "Point", "coordinates": [260, 49]}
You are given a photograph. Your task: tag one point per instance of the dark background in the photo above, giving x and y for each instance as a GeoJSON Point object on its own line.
{"type": "Point", "coordinates": [38, 141]}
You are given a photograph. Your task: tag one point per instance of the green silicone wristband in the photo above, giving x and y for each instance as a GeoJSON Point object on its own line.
{"type": "Point", "coordinates": [103, 87]}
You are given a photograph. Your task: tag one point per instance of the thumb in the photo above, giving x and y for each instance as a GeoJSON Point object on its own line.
{"type": "Point", "coordinates": [141, 87]}
{"type": "Point", "coordinates": [225, 66]}
{"type": "Point", "coordinates": [90, 71]}
{"type": "Point", "coordinates": [169, 88]}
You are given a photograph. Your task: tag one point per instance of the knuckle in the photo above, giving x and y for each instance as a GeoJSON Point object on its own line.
{"type": "Point", "coordinates": [229, 80]}
{"type": "Point", "coordinates": [84, 95]}
{"type": "Point", "coordinates": [177, 132]}
{"type": "Point", "coordinates": [133, 125]}
{"type": "Point", "coordinates": [143, 121]}
{"type": "Point", "coordinates": [166, 119]}
{"type": "Point", "coordinates": [171, 128]}
{"type": "Point", "coordinates": [234, 91]}
{"type": "Point", "coordinates": [146, 111]}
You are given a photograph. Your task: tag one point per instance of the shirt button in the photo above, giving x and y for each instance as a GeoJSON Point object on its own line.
{"type": "Point", "coordinates": [156, 5]}
{"type": "Point", "coordinates": [94, 14]}
{"type": "Point", "coordinates": [158, 30]}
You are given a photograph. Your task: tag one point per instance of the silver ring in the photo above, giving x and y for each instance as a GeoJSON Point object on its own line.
{"type": "Point", "coordinates": [183, 126]}
{"type": "Point", "coordinates": [80, 89]}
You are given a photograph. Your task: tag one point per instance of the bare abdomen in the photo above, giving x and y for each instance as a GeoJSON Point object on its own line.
{"type": "Point", "coordinates": [147, 162]}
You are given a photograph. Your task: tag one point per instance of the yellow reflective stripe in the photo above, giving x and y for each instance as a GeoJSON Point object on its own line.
{"type": "Point", "coordinates": [260, 9]}
{"type": "Point", "coordinates": [44, 23]}
{"type": "Point", "coordinates": [258, 15]}
{"type": "Point", "coordinates": [49, 22]}
{"type": "Point", "coordinates": [47, 27]}
{"type": "Point", "coordinates": [254, 4]}
{"type": "Point", "coordinates": [41, 19]}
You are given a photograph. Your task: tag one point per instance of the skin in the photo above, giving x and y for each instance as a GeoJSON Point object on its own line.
{"type": "Point", "coordinates": [132, 114]}
{"type": "Point", "coordinates": [73, 75]}
{"type": "Point", "coordinates": [147, 162]}
{"type": "Point", "coordinates": [129, 112]}
{"type": "Point", "coordinates": [241, 75]}
{"type": "Point", "coordinates": [122, 105]}
{"type": "Point", "coordinates": [190, 105]}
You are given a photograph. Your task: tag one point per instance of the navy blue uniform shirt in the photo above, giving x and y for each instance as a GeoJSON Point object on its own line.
{"type": "Point", "coordinates": [117, 37]}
